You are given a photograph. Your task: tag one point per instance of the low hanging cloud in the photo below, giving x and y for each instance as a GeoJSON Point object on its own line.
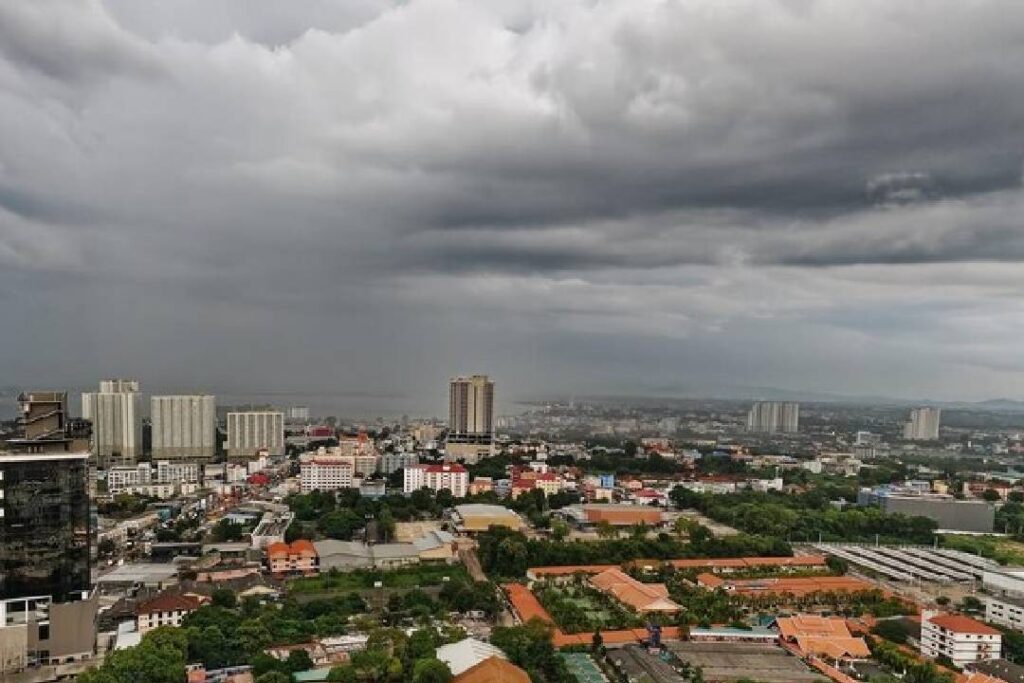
{"type": "Point", "coordinates": [401, 191]}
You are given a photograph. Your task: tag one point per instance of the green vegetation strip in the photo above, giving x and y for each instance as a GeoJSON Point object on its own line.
{"type": "Point", "coordinates": [406, 577]}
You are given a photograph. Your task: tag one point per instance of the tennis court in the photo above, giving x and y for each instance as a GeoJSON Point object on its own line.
{"type": "Point", "coordinates": [583, 667]}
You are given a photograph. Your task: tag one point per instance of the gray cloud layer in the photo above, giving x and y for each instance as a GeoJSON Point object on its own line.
{"type": "Point", "coordinates": [574, 195]}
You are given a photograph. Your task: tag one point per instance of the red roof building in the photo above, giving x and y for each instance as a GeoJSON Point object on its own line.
{"type": "Point", "coordinates": [299, 557]}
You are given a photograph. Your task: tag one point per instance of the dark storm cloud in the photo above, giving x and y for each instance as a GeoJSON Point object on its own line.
{"type": "Point", "coordinates": [395, 191]}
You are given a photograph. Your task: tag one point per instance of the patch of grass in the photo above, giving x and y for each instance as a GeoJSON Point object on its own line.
{"type": "Point", "coordinates": [1002, 550]}
{"type": "Point", "coordinates": [578, 608]}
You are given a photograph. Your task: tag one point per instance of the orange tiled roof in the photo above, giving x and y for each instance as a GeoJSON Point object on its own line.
{"type": "Point", "coordinates": [958, 623]}
{"type": "Point", "coordinates": [302, 547]}
{"type": "Point", "coordinates": [709, 580]}
{"type": "Point", "coordinates": [822, 636]}
{"type": "Point", "coordinates": [493, 670]}
{"type": "Point", "coordinates": [277, 549]}
{"type": "Point", "coordinates": [644, 597]}
{"type": "Point", "coordinates": [526, 605]}
{"type": "Point", "coordinates": [798, 585]}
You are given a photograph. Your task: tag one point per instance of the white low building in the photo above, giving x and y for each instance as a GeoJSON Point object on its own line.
{"type": "Point", "coordinates": [962, 639]}
{"type": "Point", "coordinates": [165, 479]}
{"type": "Point", "coordinates": [466, 654]}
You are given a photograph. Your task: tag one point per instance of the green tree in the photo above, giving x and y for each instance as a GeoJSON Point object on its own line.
{"type": "Point", "coordinates": [559, 529]}
{"type": "Point", "coordinates": [159, 658]}
{"type": "Point", "coordinates": [430, 670]}
{"type": "Point", "coordinates": [274, 677]}
{"type": "Point", "coordinates": [422, 643]}
{"type": "Point", "coordinates": [341, 524]}
{"type": "Point", "coordinates": [225, 531]}
{"type": "Point", "coordinates": [299, 660]}
{"type": "Point", "coordinates": [991, 495]}
{"type": "Point", "coordinates": [892, 629]}
{"type": "Point", "coordinates": [224, 597]}
{"type": "Point", "coordinates": [343, 674]}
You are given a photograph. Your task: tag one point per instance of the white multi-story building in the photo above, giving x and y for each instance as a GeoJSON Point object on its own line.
{"type": "Point", "coordinates": [1005, 611]}
{"type": "Point", "coordinates": [773, 416]}
{"type": "Point", "coordinates": [184, 426]}
{"type": "Point", "coordinates": [116, 421]}
{"type": "Point", "coordinates": [166, 479]}
{"type": "Point", "coordinates": [252, 431]}
{"type": "Point", "coordinates": [923, 424]}
{"type": "Point", "coordinates": [451, 476]}
{"type": "Point", "coordinates": [321, 472]}
{"type": "Point", "coordinates": [962, 639]}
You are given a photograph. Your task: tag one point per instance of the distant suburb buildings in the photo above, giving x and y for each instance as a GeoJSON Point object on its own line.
{"type": "Point", "coordinates": [184, 427]}
{"type": "Point", "coordinates": [923, 425]}
{"type": "Point", "coordinates": [470, 418]}
{"type": "Point", "coordinates": [951, 514]}
{"type": "Point", "coordinates": [770, 417]}
{"type": "Point", "coordinates": [254, 430]}
{"type": "Point", "coordinates": [116, 421]}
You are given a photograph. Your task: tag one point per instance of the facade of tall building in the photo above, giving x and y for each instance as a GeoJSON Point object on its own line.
{"type": "Point", "coordinates": [45, 427]}
{"type": "Point", "coordinates": [923, 424]}
{"type": "Point", "coordinates": [471, 406]}
{"type": "Point", "coordinates": [770, 417]}
{"type": "Point", "coordinates": [252, 431]}
{"type": "Point", "coordinates": [470, 419]}
{"type": "Point", "coordinates": [47, 612]}
{"type": "Point", "coordinates": [116, 421]}
{"type": "Point", "coordinates": [184, 427]}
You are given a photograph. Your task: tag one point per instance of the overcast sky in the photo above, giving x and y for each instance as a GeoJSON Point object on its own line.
{"type": "Point", "coordinates": [583, 196]}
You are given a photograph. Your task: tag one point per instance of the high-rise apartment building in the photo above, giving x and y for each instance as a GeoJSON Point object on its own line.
{"type": "Point", "coordinates": [470, 418]}
{"type": "Point", "coordinates": [116, 421]}
{"type": "Point", "coordinates": [923, 424]}
{"type": "Point", "coordinates": [253, 431]}
{"type": "Point", "coordinates": [770, 417]}
{"type": "Point", "coordinates": [471, 406]}
{"type": "Point", "coordinates": [47, 611]}
{"type": "Point", "coordinates": [184, 427]}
